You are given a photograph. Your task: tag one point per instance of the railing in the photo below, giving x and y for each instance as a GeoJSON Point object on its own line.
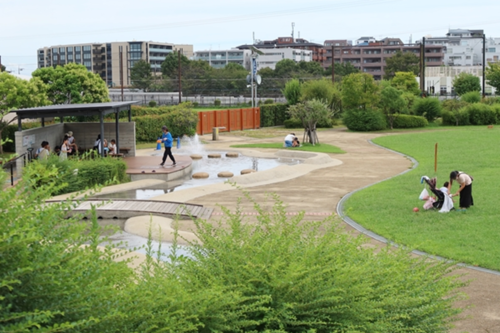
{"type": "Point", "coordinates": [27, 157]}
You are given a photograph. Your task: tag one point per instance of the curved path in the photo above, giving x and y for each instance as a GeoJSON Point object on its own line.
{"type": "Point", "coordinates": [318, 193]}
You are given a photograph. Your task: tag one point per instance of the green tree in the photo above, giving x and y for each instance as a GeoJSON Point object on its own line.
{"type": "Point", "coordinates": [359, 90]}
{"type": "Point", "coordinates": [323, 90]}
{"type": "Point", "coordinates": [493, 75]}
{"type": "Point", "coordinates": [341, 70]}
{"type": "Point", "coordinates": [430, 108]}
{"type": "Point", "coordinates": [292, 91]}
{"type": "Point", "coordinates": [391, 103]}
{"type": "Point", "coordinates": [17, 93]}
{"type": "Point", "coordinates": [72, 84]}
{"type": "Point", "coordinates": [199, 78]}
{"type": "Point", "coordinates": [2, 68]}
{"type": "Point", "coordinates": [406, 81]}
{"type": "Point", "coordinates": [401, 62]}
{"type": "Point", "coordinates": [170, 66]}
{"type": "Point", "coordinates": [141, 75]}
{"type": "Point", "coordinates": [310, 67]}
{"type": "Point", "coordinates": [310, 113]}
{"type": "Point", "coordinates": [285, 68]}
{"type": "Point", "coordinates": [464, 83]}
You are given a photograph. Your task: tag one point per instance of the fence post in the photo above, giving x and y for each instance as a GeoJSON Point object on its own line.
{"type": "Point", "coordinates": [229, 120]}
{"type": "Point", "coordinates": [241, 120]}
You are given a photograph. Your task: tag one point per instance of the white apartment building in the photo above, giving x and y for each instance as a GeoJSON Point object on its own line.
{"type": "Point", "coordinates": [269, 58]}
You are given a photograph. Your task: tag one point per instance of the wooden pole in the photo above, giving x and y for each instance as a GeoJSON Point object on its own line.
{"type": "Point", "coordinates": [435, 158]}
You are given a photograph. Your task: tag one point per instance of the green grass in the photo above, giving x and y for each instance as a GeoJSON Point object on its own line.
{"type": "Point", "coordinates": [318, 148]}
{"type": "Point", "coordinates": [470, 237]}
{"type": "Point", "coordinates": [146, 145]}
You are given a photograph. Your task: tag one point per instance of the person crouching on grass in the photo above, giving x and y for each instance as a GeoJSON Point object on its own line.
{"type": "Point", "coordinates": [168, 140]}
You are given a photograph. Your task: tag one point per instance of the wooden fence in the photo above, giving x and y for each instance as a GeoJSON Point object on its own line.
{"type": "Point", "coordinates": [228, 120]}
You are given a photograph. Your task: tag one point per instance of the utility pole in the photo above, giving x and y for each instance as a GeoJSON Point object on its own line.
{"type": "Point", "coordinates": [121, 69]}
{"type": "Point", "coordinates": [484, 64]}
{"type": "Point", "coordinates": [422, 66]}
{"type": "Point", "coordinates": [179, 74]}
{"type": "Point", "coordinates": [333, 64]}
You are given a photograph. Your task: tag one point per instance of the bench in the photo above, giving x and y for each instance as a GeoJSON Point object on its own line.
{"type": "Point", "coordinates": [116, 155]}
{"type": "Point", "coordinates": [124, 151]}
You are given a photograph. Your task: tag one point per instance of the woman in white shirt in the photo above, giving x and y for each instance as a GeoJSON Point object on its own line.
{"type": "Point", "coordinates": [465, 190]}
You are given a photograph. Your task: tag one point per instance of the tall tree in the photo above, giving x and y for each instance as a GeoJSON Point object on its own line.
{"type": "Point", "coordinates": [170, 66]}
{"type": "Point", "coordinates": [464, 83]}
{"type": "Point", "coordinates": [73, 84]}
{"type": "Point", "coordinates": [341, 70]}
{"type": "Point", "coordinates": [493, 75]}
{"type": "Point", "coordinates": [141, 75]}
{"type": "Point", "coordinates": [401, 62]}
{"type": "Point", "coordinates": [391, 103]}
{"type": "Point", "coordinates": [359, 91]}
{"type": "Point", "coordinates": [310, 113]}
{"type": "Point", "coordinates": [310, 67]}
{"type": "Point", "coordinates": [406, 82]}
{"type": "Point", "coordinates": [285, 68]}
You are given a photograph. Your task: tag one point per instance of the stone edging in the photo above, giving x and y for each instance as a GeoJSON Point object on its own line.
{"type": "Point", "coordinates": [341, 213]}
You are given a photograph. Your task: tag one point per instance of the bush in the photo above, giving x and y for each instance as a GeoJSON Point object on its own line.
{"type": "Point", "coordinates": [292, 91]}
{"type": "Point", "coordinates": [195, 104]}
{"type": "Point", "coordinates": [471, 97]}
{"type": "Point", "coordinates": [9, 133]}
{"type": "Point", "coordinates": [456, 118]}
{"type": "Point", "coordinates": [430, 108]}
{"type": "Point", "coordinates": [152, 103]}
{"type": "Point", "coordinates": [293, 123]}
{"type": "Point", "coordinates": [76, 174]}
{"type": "Point", "coordinates": [217, 102]}
{"type": "Point", "coordinates": [407, 121]}
{"type": "Point", "coordinates": [364, 120]}
{"type": "Point", "coordinates": [269, 101]}
{"type": "Point", "coordinates": [480, 114]}
{"type": "Point", "coordinates": [491, 100]}
{"type": "Point", "coordinates": [273, 114]}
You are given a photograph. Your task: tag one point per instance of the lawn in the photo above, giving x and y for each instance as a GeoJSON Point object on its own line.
{"type": "Point", "coordinates": [470, 237]}
{"type": "Point", "coordinates": [318, 148]}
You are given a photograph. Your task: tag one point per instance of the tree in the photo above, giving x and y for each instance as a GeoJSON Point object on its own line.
{"type": "Point", "coordinates": [2, 68]}
{"type": "Point", "coordinates": [359, 91]}
{"type": "Point", "coordinates": [73, 84]}
{"type": "Point", "coordinates": [341, 70]}
{"type": "Point", "coordinates": [401, 62]}
{"type": "Point", "coordinates": [310, 67]}
{"type": "Point", "coordinates": [17, 93]}
{"type": "Point", "coordinates": [170, 66]}
{"type": "Point", "coordinates": [391, 103]}
{"type": "Point", "coordinates": [464, 83]}
{"type": "Point", "coordinates": [310, 113]}
{"type": "Point", "coordinates": [292, 91]}
{"type": "Point", "coordinates": [141, 75]}
{"type": "Point", "coordinates": [430, 108]}
{"type": "Point", "coordinates": [285, 68]}
{"type": "Point", "coordinates": [406, 81]}
{"type": "Point", "coordinates": [323, 90]}
{"type": "Point", "coordinates": [493, 75]}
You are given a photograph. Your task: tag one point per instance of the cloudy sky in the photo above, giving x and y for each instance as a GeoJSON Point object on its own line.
{"type": "Point", "coordinates": [27, 25]}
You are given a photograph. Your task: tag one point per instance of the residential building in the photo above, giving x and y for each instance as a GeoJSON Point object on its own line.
{"type": "Point", "coordinates": [370, 56]}
{"type": "Point", "coordinates": [318, 52]}
{"type": "Point", "coordinates": [104, 58]}
{"type": "Point", "coordinates": [465, 47]}
{"type": "Point", "coordinates": [440, 79]}
{"type": "Point", "coordinates": [269, 57]}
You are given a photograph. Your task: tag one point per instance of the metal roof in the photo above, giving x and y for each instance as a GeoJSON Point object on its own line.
{"type": "Point", "coordinates": [64, 110]}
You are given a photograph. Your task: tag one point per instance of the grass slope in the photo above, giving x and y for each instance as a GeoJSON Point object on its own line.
{"type": "Point", "coordinates": [318, 148]}
{"type": "Point", "coordinates": [470, 237]}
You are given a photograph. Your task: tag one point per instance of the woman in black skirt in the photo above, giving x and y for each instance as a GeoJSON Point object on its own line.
{"type": "Point", "coordinates": [465, 190]}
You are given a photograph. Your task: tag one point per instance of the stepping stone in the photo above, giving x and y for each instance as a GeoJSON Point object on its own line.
{"type": "Point", "coordinates": [232, 154]}
{"type": "Point", "coordinates": [247, 171]}
{"type": "Point", "coordinates": [196, 157]}
{"type": "Point", "coordinates": [213, 155]}
{"type": "Point", "coordinates": [225, 174]}
{"type": "Point", "coordinates": [200, 175]}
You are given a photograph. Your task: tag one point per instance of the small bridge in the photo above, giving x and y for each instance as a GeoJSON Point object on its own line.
{"type": "Point", "coordinates": [113, 209]}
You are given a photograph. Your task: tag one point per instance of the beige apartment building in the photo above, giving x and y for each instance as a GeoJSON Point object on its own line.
{"type": "Point", "coordinates": [104, 58]}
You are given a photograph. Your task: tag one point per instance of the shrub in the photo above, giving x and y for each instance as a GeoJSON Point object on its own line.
{"type": "Point", "coordinates": [471, 97]}
{"type": "Point", "coordinates": [195, 104]}
{"type": "Point", "coordinates": [152, 103]}
{"type": "Point", "coordinates": [269, 101]}
{"type": "Point", "coordinates": [491, 100]}
{"type": "Point", "coordinates": [292, 91]}
{"type": "Point", "coordinates": [408, 121]}
{"type": "Point", "coordinates": [456, 118]}
{"type": "Point", "coordinates": [217, 102]}
{"type": "Point", "coordinates": [364, 120]}
{"type": "Point", "coordinates": [273, 114]}
{"type": "Point", "coordinates": [293, 123]}
{"type": "Point", "coordinates": [480, 114]}
{"type": "Point", "coordinates": [309, 276]}
{"type": "Point", "coordinates": [430, 108]}
{"type": "Point", "coordinates": [9, 133]}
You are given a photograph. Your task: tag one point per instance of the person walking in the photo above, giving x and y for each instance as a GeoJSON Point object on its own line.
{"type": "Point", "coordinates": [465, 190]}
{"type": "Point", "coordinates": [167, 140]}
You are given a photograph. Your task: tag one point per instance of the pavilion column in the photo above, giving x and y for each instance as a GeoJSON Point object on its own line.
{"type": "Point", "coordinates": [117, 129]}
{"type": "Point", "coordinates": [102, 134]}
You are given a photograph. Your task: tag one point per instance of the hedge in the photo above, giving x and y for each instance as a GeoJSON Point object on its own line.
{"type": "Point", "coordinates": [408, 121]}
{"type": "Point", "coordinates": [273, 114]}
{"type": "Point", "coordinates": [364, 120]}
{"type": "Point", "coordinates": [473, 114]}
{"type": "Point", "coordinates": [430, 108]}
{"type": "Point", "coordinates": [9, 133]}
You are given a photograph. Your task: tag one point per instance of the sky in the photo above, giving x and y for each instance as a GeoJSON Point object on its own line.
{"type": "Point", "coordinates": [26, 25]}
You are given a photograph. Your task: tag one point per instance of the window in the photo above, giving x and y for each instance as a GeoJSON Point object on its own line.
{"type": "Point", "coordinates": [87, 56]}
{"type": "Point", "coordinates": [69, 50]}
{"type": "Point", "coordinates": [86, 48]}
{"type": "Point", "coordinates": [78, 48]}
{"type": "Point", "coordinates": [61, 49]}
{"type": "Point", "coordinates": [492, 49]}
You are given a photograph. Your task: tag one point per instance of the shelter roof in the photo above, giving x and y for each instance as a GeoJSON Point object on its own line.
{"type": "Point", "coordinates": [65, 110]}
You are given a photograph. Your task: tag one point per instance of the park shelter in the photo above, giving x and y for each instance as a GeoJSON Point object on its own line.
{"type": "Point", "coordinates": [85, 132]}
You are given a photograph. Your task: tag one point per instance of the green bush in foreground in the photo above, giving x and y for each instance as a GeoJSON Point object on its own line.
{"type": "Point", "coordinates": [364, 120]}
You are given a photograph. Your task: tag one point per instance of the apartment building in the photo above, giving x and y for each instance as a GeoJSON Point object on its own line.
{"type": "Point", "coordinates": [268, 59]}
{"type": "Point", "coordinates": [464, 47]}
{"type": "Point", "coordinates": [104, 58]}
{"type": "Point", "coordinates": [370, 56]}
{"type": "Point", "coordinates": [317, 50]}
